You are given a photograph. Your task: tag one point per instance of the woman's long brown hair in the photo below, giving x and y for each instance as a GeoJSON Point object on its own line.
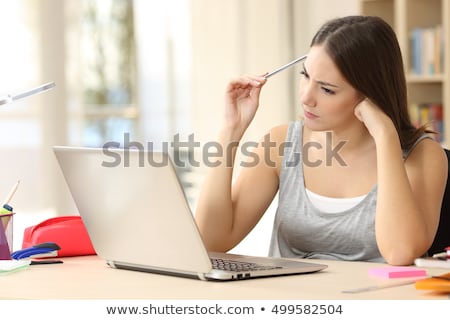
{"type": "Point", "coordinates": [366, 51]}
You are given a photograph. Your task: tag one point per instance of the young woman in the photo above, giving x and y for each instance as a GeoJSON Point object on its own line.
{"type": "Point", "coordinates": [356, 180]}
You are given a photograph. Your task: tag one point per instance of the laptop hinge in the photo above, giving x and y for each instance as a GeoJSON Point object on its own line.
{"type": "Point", "coordinates": [201, 276]}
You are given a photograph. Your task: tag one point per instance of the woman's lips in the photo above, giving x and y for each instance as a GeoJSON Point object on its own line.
{"type": "Point", "coordinates": [310, 115]}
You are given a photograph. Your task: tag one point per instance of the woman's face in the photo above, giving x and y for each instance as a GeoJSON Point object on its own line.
{"type": "Point", "coordinates": [328, 99]}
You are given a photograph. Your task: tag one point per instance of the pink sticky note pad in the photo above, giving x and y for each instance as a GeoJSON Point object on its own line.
{"type": "Point", "coordinates": [397, 272]}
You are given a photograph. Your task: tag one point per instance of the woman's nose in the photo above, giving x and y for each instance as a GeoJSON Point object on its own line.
{"type": "Point", "coordinates": [307, 94]}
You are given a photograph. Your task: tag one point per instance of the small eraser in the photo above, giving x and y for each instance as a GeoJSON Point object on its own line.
{"type": "Point", "coordinates": [397, 272]}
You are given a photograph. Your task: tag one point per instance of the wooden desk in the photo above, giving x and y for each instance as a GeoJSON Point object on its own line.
{"type": "Point", "coordinates": [90, 278]}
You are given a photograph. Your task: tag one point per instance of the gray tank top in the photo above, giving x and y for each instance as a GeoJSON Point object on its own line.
{"type": "Point", "coordinates": [301, 230]}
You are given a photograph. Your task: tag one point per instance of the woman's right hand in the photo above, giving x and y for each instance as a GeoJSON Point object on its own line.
{"type": "Point", "coordinates": [241, 101]}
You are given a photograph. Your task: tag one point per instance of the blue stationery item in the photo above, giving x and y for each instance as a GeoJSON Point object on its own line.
{"type": "Point", "coordinates": [42, 250]}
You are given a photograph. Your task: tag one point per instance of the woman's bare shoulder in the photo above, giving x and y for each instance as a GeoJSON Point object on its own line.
{"type": "Point", "coordinates": [428, 149]}
{"type": "Point", "coordinates": [429, 153]}
{"type": "Point", "coordinates": [278, 133]}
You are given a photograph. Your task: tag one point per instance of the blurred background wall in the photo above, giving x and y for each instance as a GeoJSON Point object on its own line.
{"type": "Point", "coordinates": [142, 70]}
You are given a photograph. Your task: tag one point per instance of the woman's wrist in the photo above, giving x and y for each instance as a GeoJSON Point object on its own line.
{"type": "Point", "coordinates": [388, 140]}
{"type": "Point", "coordinates": [230, 133]}
{"type": "Point", "coordinates": [386, 133]}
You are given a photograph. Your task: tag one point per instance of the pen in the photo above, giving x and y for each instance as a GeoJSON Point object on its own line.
{"type": "Point", "coordinates": [285, 66]}
{"type": "Point", "coordinates": [6, 211]}
{"type": "Point", "coordinates": [37, 262]}
{"type": "Point", "coordinates": [11, 193]}
{"type": "Point", "coordinates": [378, 287]}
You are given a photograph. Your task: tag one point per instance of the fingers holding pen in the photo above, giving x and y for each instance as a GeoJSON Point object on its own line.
{"type": "Point", "coordinates": [245, 86]}
{"type": "Point", "coordinates": [242, 100]}
{"type": "Point", "coordinates": [247, 82]}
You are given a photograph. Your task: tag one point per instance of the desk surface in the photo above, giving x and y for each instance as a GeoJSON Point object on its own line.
{"type": "Point", "coordinates": [90, 278]}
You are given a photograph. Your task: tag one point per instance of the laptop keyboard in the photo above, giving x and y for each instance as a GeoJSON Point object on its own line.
{"type": "Point", "coordinates": [232, 265]}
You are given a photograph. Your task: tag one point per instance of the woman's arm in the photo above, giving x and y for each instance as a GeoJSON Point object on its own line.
{"type": "Point", "coordinates": [409, 192]}
{"type": "Point", "coordinates": [227, 211]}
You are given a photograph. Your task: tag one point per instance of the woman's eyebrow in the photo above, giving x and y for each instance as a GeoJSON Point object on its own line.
{"type": "Point", "coordinates": [323, 83]}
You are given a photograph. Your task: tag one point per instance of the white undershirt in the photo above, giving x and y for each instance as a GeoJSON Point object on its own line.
{"type": "Point", "coordinates": [332, 205]}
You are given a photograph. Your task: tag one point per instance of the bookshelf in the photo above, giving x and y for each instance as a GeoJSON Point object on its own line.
{"type": "Point", "coordinates": [421, 27]}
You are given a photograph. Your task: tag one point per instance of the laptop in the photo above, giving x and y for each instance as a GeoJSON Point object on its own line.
{"type": "Point", "coordinates": [138, 218]}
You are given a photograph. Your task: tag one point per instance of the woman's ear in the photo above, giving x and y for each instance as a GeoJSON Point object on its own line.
{"type": "Point", "coordinates": [361, 98]}
{"type": "Point", "coordinates": [358, 107]}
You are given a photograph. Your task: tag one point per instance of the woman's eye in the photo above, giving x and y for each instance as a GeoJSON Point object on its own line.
{"type": "Point", "coordinates": [328, 91]}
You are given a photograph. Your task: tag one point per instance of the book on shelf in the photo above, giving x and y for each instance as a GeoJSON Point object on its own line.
{"type": "Point", "coordinates": [431, 114]}
{"type": "Point", "coordinates": [427, 50]}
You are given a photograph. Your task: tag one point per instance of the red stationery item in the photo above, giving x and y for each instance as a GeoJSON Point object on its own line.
{"type": "Point", "coordinates": [68, 232]}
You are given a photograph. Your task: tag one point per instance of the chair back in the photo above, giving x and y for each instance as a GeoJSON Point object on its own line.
{"type": "Point", "coordinates": [442, 238]}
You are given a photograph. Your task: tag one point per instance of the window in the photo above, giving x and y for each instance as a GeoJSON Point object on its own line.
{"type": "Point", "coordinates": [129, 74]}
{"type": "Point", "coordinates": [103, 58]}
{"type": "Point", "coordinates": [128, 70]}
